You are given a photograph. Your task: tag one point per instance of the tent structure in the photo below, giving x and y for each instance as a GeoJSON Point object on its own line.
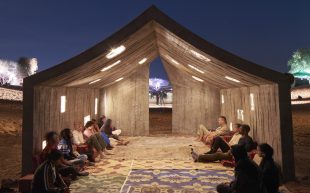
{"type": "Point", "coordinates": [112, 78]}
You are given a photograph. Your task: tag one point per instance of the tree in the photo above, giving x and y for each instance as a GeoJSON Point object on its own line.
{"type": "Point", "coordinates": [300, 64]}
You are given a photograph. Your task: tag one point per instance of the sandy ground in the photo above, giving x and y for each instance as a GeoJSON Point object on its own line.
{"type": "Point", "coordinates": [10, 145]}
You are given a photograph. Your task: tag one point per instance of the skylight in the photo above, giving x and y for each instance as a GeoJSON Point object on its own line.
{"type": "Point", "coordinates": [197, 69]}
{"type": "Point", "coordinates": [111, 66]}
{"type": "Point", "coordinates": [198, 79]}
{"type": "Point", "coordinates": [92, 82]}
{"type": "Point", "coordinates": [231, 79]}
{"type": "Point", "coordinates": [115, 52]}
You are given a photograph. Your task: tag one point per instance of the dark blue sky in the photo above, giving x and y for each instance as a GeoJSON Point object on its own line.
{"type": "Point", "coordinates": [265, 32]}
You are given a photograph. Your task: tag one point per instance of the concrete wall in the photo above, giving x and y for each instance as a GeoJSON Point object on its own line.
{"type": "Point", "coordinates": [126, 103]}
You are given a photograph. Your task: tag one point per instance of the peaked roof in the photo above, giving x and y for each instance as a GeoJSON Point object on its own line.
{"type": "Point", "coordinates": [151, 34]}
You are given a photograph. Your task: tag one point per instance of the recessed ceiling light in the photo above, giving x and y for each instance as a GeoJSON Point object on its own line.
{"type": "Point", "coordinates": [116, 51]}
{"type": "Point", "coordinates": [200, 56]}
{"type": "Point", "coordinates": [197, 69]}
{"type": "Point", "coordinates": [110, 66]}
{"type": "Point", "coordinates": [198, 79]}
{"type": "Point", "coordinates": [119, 79]}
{"type": "Point", "coordinates": [92, 82]}
{"type": "Point", "coordinates": [232, 79]}
{"type": "Point", "coordinates": [143, 60]}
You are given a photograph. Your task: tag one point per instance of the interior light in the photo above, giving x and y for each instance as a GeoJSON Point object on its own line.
{"type": "Point", "coordinates": [231, 126]}
{"type": "Point", "coordinates": [63, 104]}
{"type": "Point", "coordinates": [222, 99]}
{"type": "Point", "coordinates": [200, 56]}
{"type": "Point", "coordinates": [240, 114]}
{"type": "Point", "coordinates": [96, 106]}
{"type": "Point", "coordinates": [92, 82]}
{"type": "Point", "coordinates": [232, 79]}
{"type": "Point", "coordinates": [119, 79]}
{"type": "Point", "coordinates": [172, 60]}
{"type": "Point", "coordinates": [198, 79]}
{"type": "Point", "coordinates": [43, 144]}
{"type": "Point", "coordinates": [143, 60]}
{"type": "Point", "coordinates": [86, 119]}
{"type": "Point", "coordinates": [116, 51]}
{"type": "Point", "coordinates": [197, 69]}
{"type": "Point", "coordinates": [252, 101]}
{"type": "Point", "coordinates": [110, 66]}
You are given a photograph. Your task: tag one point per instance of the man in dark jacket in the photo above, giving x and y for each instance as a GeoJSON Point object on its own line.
{"type": "Point", "coordinates": [271, 174]}
{"type": "Point", "coordinates": [46, 178]}
{"type": "Point", "coordinates": [247, 174]}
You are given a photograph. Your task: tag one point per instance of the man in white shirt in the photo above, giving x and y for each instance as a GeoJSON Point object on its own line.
{"type": "Point", "coordinates": [220, 143]}
{"type": "Point", "coordinates": [207, 136]}
{"type": "Point", "coordinates": [78, 138]}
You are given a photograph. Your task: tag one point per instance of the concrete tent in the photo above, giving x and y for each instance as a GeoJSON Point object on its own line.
{"type": "Point", "coordinates": [207, 82]}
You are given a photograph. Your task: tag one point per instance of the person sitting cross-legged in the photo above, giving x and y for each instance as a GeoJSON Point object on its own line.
{"type": "Point", "coordinates": [247, 174]}
{"type": "Point", "coordinates": [46, 178]}
{"type": "Point", "coordinates": [207, 136]}
{"type": "Point", "coordinates": [245, 141]}
{"type": "Point", "coordinates": [271, 172]}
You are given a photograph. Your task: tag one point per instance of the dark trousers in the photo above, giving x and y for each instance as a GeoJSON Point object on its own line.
{"type": "Point", "coordinates": [224, 188]}
{"type": "Point", "coordinates": [68, 171]}
{"type": "Point", "coordinates": [214, 157]}
{"type": "Point", "coordinates": [219, 143]}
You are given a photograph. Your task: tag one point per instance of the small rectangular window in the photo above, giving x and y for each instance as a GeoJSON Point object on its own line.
{"type": "Point", "coordinates": [222, 99]}
{"type": "Point", "coordinates": [240, 114]}
{"type": "Point", "coordinates": [63, 104]}
{"type": "Point", "coordinates": [86, 119]}
{"type": "Point", "coordinates": [96, 106]}
{"type": "Point", "coordinates": [43, 144]}
{"type": "Point", "coordinates": [252, 101]}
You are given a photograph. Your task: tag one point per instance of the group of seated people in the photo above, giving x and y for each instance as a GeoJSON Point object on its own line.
{"type": "Point", "coordinates": [249, 177]}
{"type": "Point", "coordinates": [65, 156]}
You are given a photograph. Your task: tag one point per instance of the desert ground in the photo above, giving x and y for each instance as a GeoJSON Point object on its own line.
{"type": "Point", "coordinates": [10, 142]}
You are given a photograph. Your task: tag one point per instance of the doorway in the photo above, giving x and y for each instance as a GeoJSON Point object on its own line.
{"type": "Point", "coordinates": [160, 100]}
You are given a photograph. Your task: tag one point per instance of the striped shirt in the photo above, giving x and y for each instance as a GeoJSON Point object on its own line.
{"type": "Point", "coordinates": [47, 180]}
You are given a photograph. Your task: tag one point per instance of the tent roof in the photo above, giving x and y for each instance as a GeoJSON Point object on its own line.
{"type": "Point", "coordinates": [150, 35]}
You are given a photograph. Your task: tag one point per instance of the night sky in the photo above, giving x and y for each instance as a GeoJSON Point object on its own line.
{"type": "Point", "coordinates": [265, 32]}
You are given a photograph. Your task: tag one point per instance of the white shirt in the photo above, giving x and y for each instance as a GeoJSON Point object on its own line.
{"type": "Point", "coordinates": [235, 139]}
{"type": "Point", "coordinates": [78, 137]}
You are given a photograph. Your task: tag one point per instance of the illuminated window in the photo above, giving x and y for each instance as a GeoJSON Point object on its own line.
{"type": "Point", "coordinates": [119, 79]}
{"type": "Point", "coordinates": [116, 51]}
{"type": "Point", "coordinates": [252, 101]}
{"type": "Point", "coordinates": [96, 106]}
{"type": "Point", "coordinates": [222, 99]}
{"type": "Point", "coordinates": [198, 79]}
{"type": "Point", "coordinates": [195, 68]}
{"type": "Point", "coordinates": [43, 144]}
{"type": "Point", "coordinates": [63, 104]}
{"type": "Point", "coordinates": [86, 119]}
{"type": "Point", "coordinates": [231, 126]}
{"type": "Point", "coordinates": [240, 114]}
{"type": "Point", "coordinates": [143, 60]}
{"type": "Point", "coordinates": [92, 82]}
{"type": "Point", "coordinates": [111, 66]}
{"type": "Point", "coordinates": [231, 79]}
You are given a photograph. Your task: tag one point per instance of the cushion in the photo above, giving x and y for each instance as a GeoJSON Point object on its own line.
{"type": "Point", "coordinates": [24, 183]}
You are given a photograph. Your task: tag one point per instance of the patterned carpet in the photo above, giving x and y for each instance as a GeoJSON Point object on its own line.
{"type": "Point", "coordinates": [175, 181]}
{"type": "Point", "coordinates": [152, 176]}
{"type": "Point", "coordinates": [153, 165]}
